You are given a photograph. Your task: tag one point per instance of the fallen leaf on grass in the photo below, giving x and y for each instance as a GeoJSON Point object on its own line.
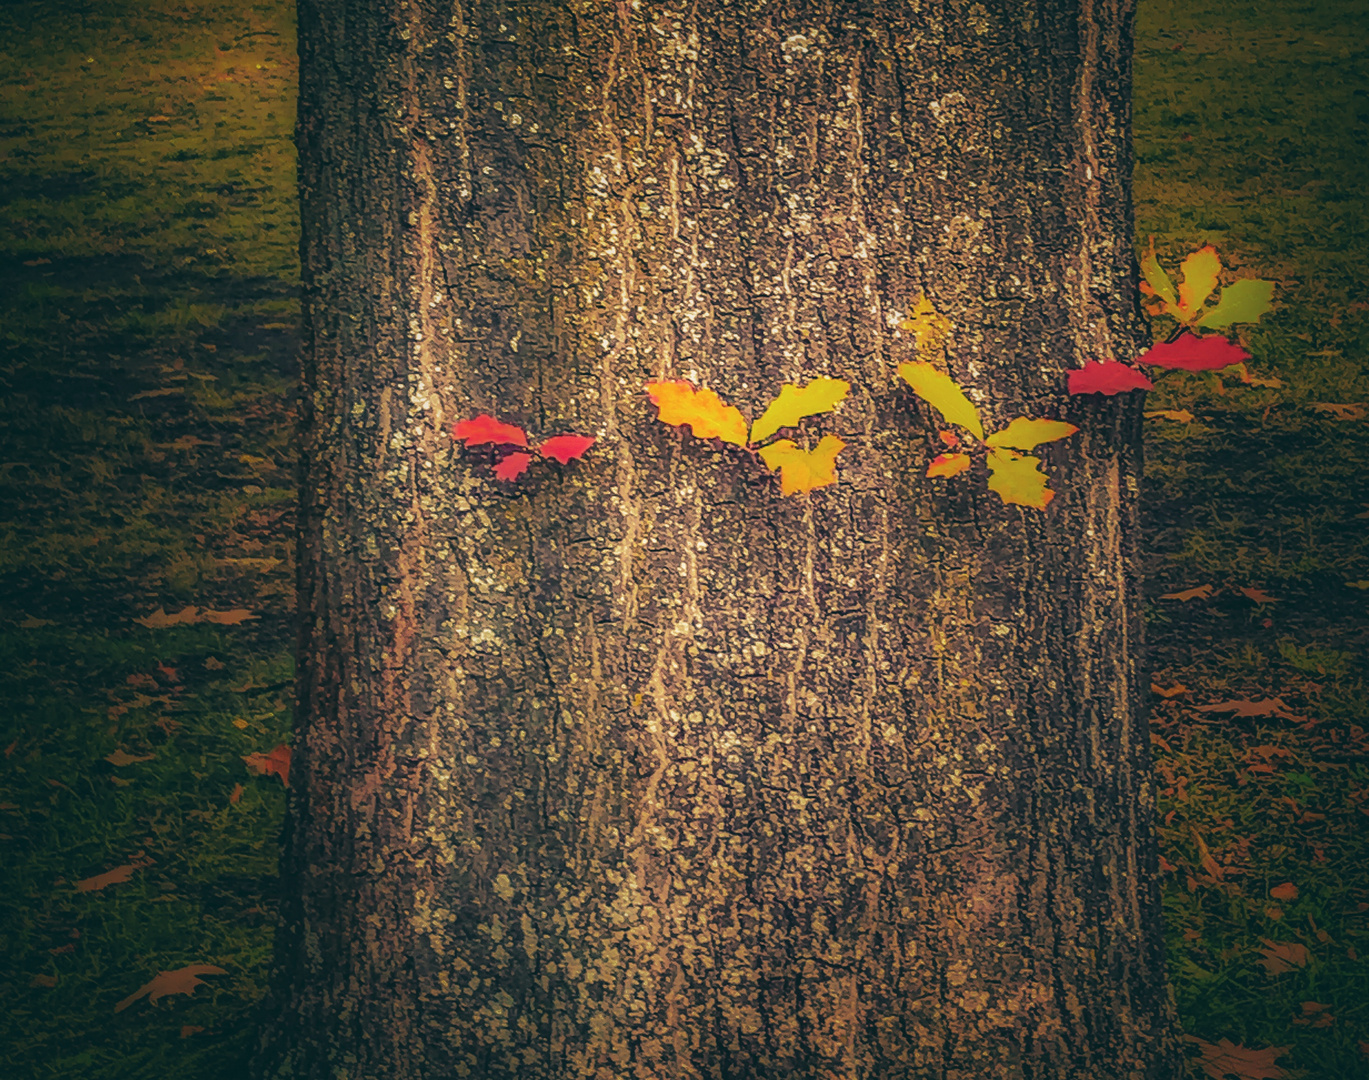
{"type": "Point", "coordinates": [32, 623]}
{"type": "Point", "coordinates": [1179, 416]}
{"type": "Point", "coordinates": [277, 762]}
{"type": "Point", "coordinates": [1169, 691]}
{"type": "Point", "coordinates": [188, 1030]}
{"type": "Point", "coordinates": [1280, 956]}
{"type": "Point", "coordinates": [181, 981]}
{"type": "Point", "coordinates": [1198, 592]}
{"type": "Point", "coordinates": [1354, 410]}
{"type": "Point", "coordinates": [159, 619]}
{"type": "Point", "coordinates": [1314, 1014]}
{"type": "Point", "coordinates": [45, 981]}
{"type": "Point", "coordinates": [1189, 353]}
{"type": "Point", "coordinates": [235, 796]}
{"type": "Point", "coordinates": [1258, 595]}
{"type": "Point", "coordinates": [1246, 707]}
{"type": "Point", "coordinates": [117, 876]}
{"type": "Point", "coordinates": [119, 757]}
{"type": "Point", "coordinates": [1225, 1057]}
{"type": "Point", "coordinates": [1286, 891]}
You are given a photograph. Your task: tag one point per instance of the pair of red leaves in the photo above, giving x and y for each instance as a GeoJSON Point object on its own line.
{"type": "Point", "coordinates": [486, 429]}
{"type": "Point", "coordinates": [1242, 301]}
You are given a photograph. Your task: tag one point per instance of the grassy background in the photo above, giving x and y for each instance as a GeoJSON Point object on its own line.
{"type": "Point", "coordinates": [147, 315]}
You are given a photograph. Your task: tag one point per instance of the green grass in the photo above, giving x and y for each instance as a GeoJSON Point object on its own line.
{"type": "Point", "coordinates": [147, 302]}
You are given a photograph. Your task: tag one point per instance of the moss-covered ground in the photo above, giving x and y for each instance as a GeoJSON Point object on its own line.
{"type": "Point", "coordinates": [148, 315]}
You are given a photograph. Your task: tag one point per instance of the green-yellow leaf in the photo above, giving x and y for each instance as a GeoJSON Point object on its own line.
{"type": "Point", "coordinates": [1018, 480]}
{"type": "Point", "coordinates": [948, 465]}
{"type": "Point", "coordinates": [1200, 269]}
{"type": "Point", "coordinates": [803, 470]}
{"type": "Point", "coordinates": [1024, 434]}
{"type": "Point", "coordinates": [928, 325]}
{"type": "Point", "coordinates": [1242, 301]}
{"type": "Point", "coordinates": [1156, 277]}
{"type": "Point", "coordinates": [941, 392]}
{"type": "Point", "coordinates": [795, 402]}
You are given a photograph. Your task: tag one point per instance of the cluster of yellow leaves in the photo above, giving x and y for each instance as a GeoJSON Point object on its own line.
{"type": "Point", "coordinates": [708, 417]}
{"type": "Point", "coordinates": [1241, 301]}
{"type": "Point", "coordinates": [1013, 475]}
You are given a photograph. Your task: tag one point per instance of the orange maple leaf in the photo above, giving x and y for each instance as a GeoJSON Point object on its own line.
{"type": "Point", "coordinates": [277, 762]}
{"type": "Point", "coordinates": [680, 402]}
{"type": "Point", "coordinates": [181, 981]}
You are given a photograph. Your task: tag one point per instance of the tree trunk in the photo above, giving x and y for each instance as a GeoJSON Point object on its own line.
{"type": "Point", "coordinates": [635, 768]}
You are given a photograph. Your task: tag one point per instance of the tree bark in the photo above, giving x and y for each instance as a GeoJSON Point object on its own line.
{"type": "Point", "coordinates": [635, 768]}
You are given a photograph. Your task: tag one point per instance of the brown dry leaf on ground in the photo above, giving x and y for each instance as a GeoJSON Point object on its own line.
{"type": "Point", "coordinates": [116, 876]}
{"type": "Point", "coordinates": [277, 762]}
{"type": "Point", "coordinates": [1258, 595]}
{"type": "Point", "coordinates": [1280, 956]}
{"type": "Point", "coordinates": [1227, 1058]}
{"type": "Point", "coordinates": [235, 796]}
{"type": "Point", "coordinates": [1168, 691]}
{"type": "Point", "coordinates": [1198, 592]}
{"type": "Point", "coordinates": [1286, 891]}
{"type": "Point", "coordinates": [45, 981]}
{"type": "Point", "coordinates": [1246, 707]}
{"type": "Point", "coordinates": [122, 757]}
{"type": "Point", "coordinates": [1314, 1014]}
{"type": "Point", "coordinates": [181, 981]}
{"type": "Point", "coordinates": [188, 1030]}
{"type": "Point", "coordinates": [160, 619]}
{"type": "Point", "coordinates": [1352, 410]}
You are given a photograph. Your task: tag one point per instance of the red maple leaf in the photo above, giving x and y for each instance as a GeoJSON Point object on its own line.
{"type": "Point", "coordinates": [512, 467]}
{"type": "Point", "coordinates": [1195, 353]}
{"type": "Point", "coordinates": [566, 448]}
{"type": "Point", "coordinates": [486, 429]}
{"type": "Point", "coordinates": [277, 762]}
{"type": "Point", "coordinates": [1107, 377]}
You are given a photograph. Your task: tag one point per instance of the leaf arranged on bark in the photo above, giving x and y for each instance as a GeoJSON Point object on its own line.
{"type": "Point", "coordinates": [948, 465]}
{"type": "Point", "coordinates": [1200, 269]}
{"type": "Point", "coordinates": [950, 438]}
{"type": "Point", "coordinates": [512, 467]}
{"type": "Point", "coordinates": [930, 328]}
{"type": "Point", "coordinates": [1224, 1058]}
{"type": "Point", "coordinates": [1168, 691]}
{"type": "Point", "coordinates": [1156, 278]}
{"type": "Point", "coordinates": [1242, 301]}
{"type": "Point", "coordinates": [1024, 434]}
{"type": "Point", "coordinates": [1191, 353]}
{"type": "Point", "coordinates": [565, 448]}
{"type": "Point", "coordinates": [486, 429]}
{"type": "Point", "coordinates": [1016, 479]}
{"type": "Point", "coordinates": [181, 981]}
{"type": "Point", "coordinates": [277, 763]}
{"type": "Point", "coordinates": [679, 402]}
{"type": "Point", "coordinates": [1107, 377]}
{"type": "Point", "coordinates": [803, 470]}
{"type": "Point", "coordinates": [795, 402]}
{"type": "Point", "coordinates": [941, 392]}
{"type": "Point", "coordinates": [117, 876]}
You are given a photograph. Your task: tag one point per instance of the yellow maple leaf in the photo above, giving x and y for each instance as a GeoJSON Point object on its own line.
{"type": "Point", "coordinates": [941, 392]}
{"type": "Point", "coordinates": [681, 402]}
{"type": "Point", "coordinates": [929, 327]}
{"type": "Point", "coordinates": [948, 465]}
{"type": "Point", "coordinates": [795, 402]}
{"type": "Point", "coordinates": [1024, 434]}
{"type": "Point", "coordinates": [803, 470]}
{"type": "Point", "coordinates": [1017, 479]}
{"type": "Point", "coordinates": [1200, 269]}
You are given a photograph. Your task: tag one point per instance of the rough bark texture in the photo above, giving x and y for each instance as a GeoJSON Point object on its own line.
{"type": "Point", "coordinates": [636, 769]}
